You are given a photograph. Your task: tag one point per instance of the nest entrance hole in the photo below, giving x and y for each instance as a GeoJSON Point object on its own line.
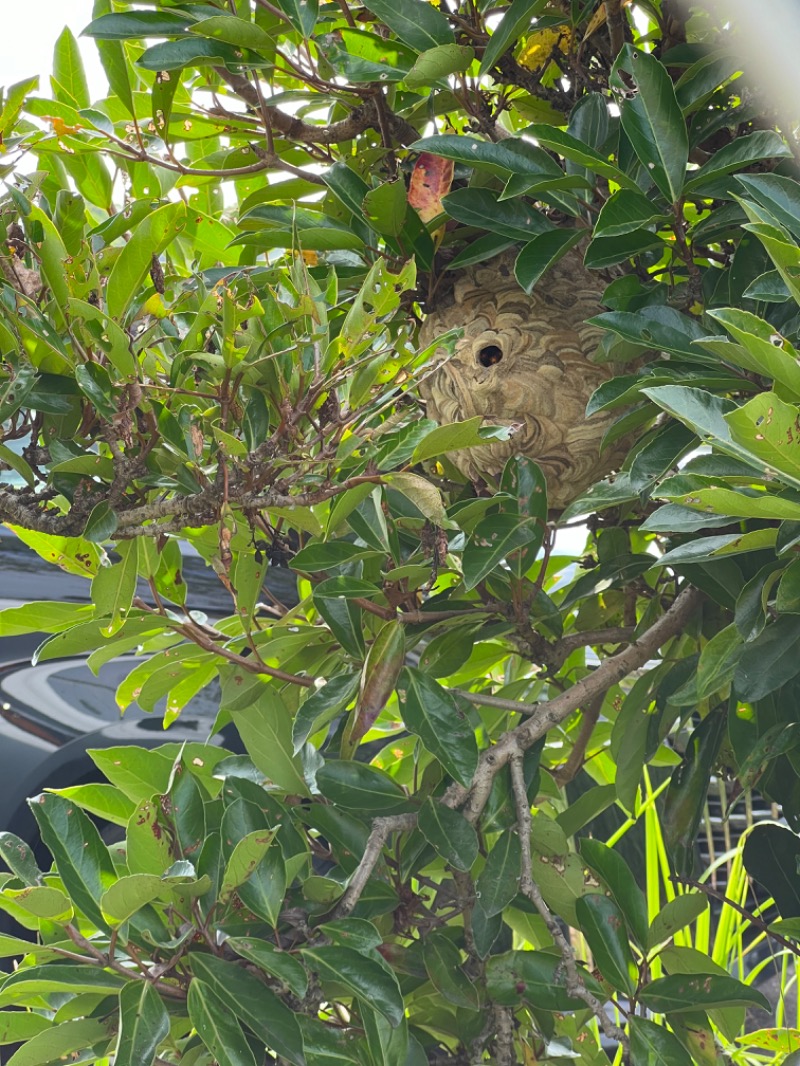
{"type": "Point", "coordinates": [490, 355]}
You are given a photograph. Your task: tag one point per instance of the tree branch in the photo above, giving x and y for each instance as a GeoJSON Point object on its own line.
{"type": "Point", "coordinates": [381, 829]}
{"type": "Point", "coordinates": [528, 887]}
{"type": "Point", "coordinates": [556, 710]}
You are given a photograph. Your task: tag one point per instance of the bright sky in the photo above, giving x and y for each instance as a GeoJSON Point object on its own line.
{"type": "Point", "coordinates": [30, 29]}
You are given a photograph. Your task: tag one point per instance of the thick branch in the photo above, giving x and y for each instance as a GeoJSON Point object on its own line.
{"type": "Point", "coordinates": [381, 830]}
{"type": "Point", "coordinates": [517, 741]}
{"type": "Point", "coordinates": [365, 116]}
{"type": "Point", "coordinates": [557, 710]}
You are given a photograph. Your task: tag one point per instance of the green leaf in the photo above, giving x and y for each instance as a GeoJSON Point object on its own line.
{"type": "Point", "coordinates": [246, 856]}
{"type": "Point", "coordinates": [361, 976]}
{"type": "Point", "coordinates": [450, 833]}
{"type": "Point", "coordinates": [114, 587]}
{"type": "Point", "coordinates": [688, 791]}
{"type": "Point", "coordinates": [603, 925]}
{"type": "Point", "coordinates": [742, 152]}
{"type": "Point", "coordinates": [21, 1025]}
{"type": "Point", "coordinates": [426, 497]}
{"type": "Point", "coordinates": [771, 854]}
{"type": "Point", "coordinates": [498, 882]}
{"type": "Point", "coordinates": [507, 218]}
{"type": "Point", "coordinates": [270, 959]}
{"type": "Point", "coordinates": [69, 79]}
{"type": "Point", "coordinates": [683, 992]}
{"type": "Point", "coordinates": [436, 63]}
{"type": "Point", "coordinates": [143, 1024]}
{"type": "Point", "coordinates": [82, 859]}
{"type": "Point", "coordinates": [357, 787]}
{"type": "Point", "coordinates": [128, 895]}
{"type": "Point", "coordinates": [19, 858]}
{"type": "Point", "coordinates": [764, 428]}
{"type": "Point", "coordinates": [28, 983]}
{"type": "Point", "coordinates": [236, 31]}
{"type": "Point", "coordinates": [266, 732]}
{"type": "Point", "coordinates": [322, 706]}
{"type": "Point", "coordinates": [381, 669]}
{"type": "Point", "coordinates": [614, 871]}
{"type": "Point", "coordinates": [63, 1042]}
{"type": "Point", "coordinates": [416, 22]}
{"type": "Point", "coordinates": [535, 977]}
{"type": "Point", "coordinates": [253, 1003]}
{"type": "Point", "coordinates": [653, 121]}
{"type": "Point", "coordinates": [626, 212]}
{"type": "Point", "coordinates": [516, 19]}
{"type": "Point", "coordinates": [138, 772]}
{"type": "Point", "coordinates": [576, 151]}
{"type": "Point", "coordinates": [777, 193]}
{"type": "Point", "coordinates": [541, 253]}
{"type": "Point", "coordinates": [433, 714]}
{"type": "Point", "coordinates": [443, 964]}
{"type": "Point", "coordinates": [325, 556]}
{"type": "Point", "coordinates": [135, 25]}
{"type": "Point", "coordinates": [495, 539]}
{"type": "Point", "coordinates": [385, 206]}
{"type": "Point", "coordinates": [451, 438]}
{"type": "Point", "coordinates": [655, 1045]}
{"type": "Point", "coordinates": [150, 238]}
{"type": "Point", "coordinates": [217, 1027]}
{"type": "Point", "coordinates": [676, 914]}
{"type": "Point", "coordinates": [301, 13]}
{"type": "Point", "coordinates": [769, 661]}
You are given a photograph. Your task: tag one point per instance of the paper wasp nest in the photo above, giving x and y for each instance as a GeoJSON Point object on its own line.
{"type": "Point", "coordinates": [524, 361]}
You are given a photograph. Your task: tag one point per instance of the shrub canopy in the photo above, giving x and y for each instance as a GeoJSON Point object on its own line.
{"type": "Point", "coordinates": [213, 278]}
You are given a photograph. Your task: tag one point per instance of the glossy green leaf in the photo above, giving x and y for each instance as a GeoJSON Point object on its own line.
{"type": "Point", "coordinates": [603, 924]}
{"type": "Point", "coordinates": [615, 872]}
{"type": "Point", "coordinates": [507, 218]}
{"type": "Point", "coordinates": [770, 855]}
{"type": "Point", "coordinates": [769, 661]}
{"type": "Point", "coordinates": [541, 253]}
{"type": "Point", "coordinates": [442, 725]}
{"type": "Point", "coordinates": [739, 154]}
{"type": "Point", "coordinates": [653, 121]}
{"type": "Point", "coordinates": [19, 858]}
{"type": "Point", "coordinates": [277, 963]}
{"type": "Point", "coordinates": [494, 539]}
{"type": "Point", "coordinates": [64, 1042]}
{"type": "Point", "coordinates": [417, 23]}
{"type": "Point", "coordinates": [357, 787]}
{"type": "Point", "coordinates": [450, 833]}
{"type": "Point", "coordinates": [687, 792]}
{"type": "Point", "coordinates": [385, 206]}
{"type": "Point", "coordinates": [253, 1003]}
{"type": "Point", "coordinates": [150, 238]}
{"type": "Point", "coordinates": [82, 859]}
{"type": "Point", "coordinates": [322, 706]}
{"type": "Point", "coordinates": [653, 1045]}
{"type": "Point", "coordinates": [144, 1024]}
{"type": "Point", "coordinates": [676, 914]}
{"type": "Point", "coordinates": [682, 992]}
{"type": "Point", "coordinates": [534, 977]}
{"type": "Point", "coordinates": [361, 976]}
{"type": "Point", "coordinates": [443, 965]}
{"type": "Point", "coordinates": [217, 1027]}
{"type": "Point", "coordinates": [266, 730]}
{"type": "Point", "coordinates": [498, 882]}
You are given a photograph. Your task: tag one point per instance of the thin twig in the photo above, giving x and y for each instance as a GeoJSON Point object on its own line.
{"type": "Point", "coordinates": [759, 923]}
{"type": "Point", "coordinates": [381, 830]}
{"type": "Point", "coordinates": [528, 887]}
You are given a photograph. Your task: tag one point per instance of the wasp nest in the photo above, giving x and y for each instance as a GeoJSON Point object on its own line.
{"type": "Point", "coordinates": [524, 361]}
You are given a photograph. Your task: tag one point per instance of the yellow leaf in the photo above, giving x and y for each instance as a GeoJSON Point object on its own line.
{"type": "Point", "coordinates": [538, 48]}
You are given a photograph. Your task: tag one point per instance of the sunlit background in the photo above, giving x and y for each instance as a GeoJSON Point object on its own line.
{"type": "Point", "coordinates": [30, 29]}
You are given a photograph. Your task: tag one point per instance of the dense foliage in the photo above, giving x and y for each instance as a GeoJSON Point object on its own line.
{"type": "Point", "coordinates": [422, 850]}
